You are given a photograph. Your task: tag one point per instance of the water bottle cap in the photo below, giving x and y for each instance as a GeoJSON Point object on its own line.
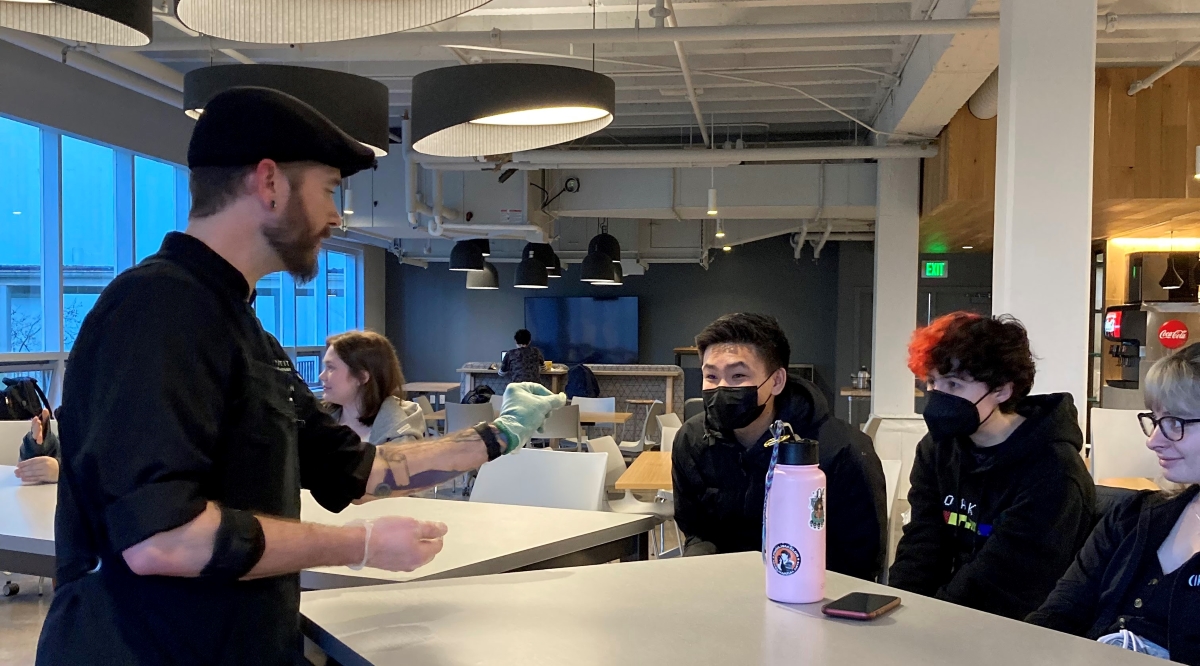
{"type": "Point", "coordinates": [799, 452]}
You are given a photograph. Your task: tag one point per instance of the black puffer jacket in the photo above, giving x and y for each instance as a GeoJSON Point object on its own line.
{"type": "Point", "coordinates": [719, 486]}
{"type": "Point", "coordinates": [1088, 600]}
{"type": "Point", "coordinates": [993, 529]}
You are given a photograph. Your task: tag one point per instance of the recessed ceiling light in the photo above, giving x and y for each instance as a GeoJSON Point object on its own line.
{"type": "Point", "coordinates": [968, 247]}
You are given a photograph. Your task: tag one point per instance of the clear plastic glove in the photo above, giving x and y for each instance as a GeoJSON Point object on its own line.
{"type": "Point", "coordinates": [525, 408]}
{"type": "Point", "coordinates": [400, 543]}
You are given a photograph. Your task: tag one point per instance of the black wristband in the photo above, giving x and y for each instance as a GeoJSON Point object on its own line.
{"type": "Point", "coordinates": [494, 448]}
{"type": "Point", "coordinates": [237, 546]}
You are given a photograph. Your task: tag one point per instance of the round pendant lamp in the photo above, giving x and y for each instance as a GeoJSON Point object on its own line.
{"type": "Point", "coordinates": [596, 267]}
{"type": "Point", "coordinates": [485, 246]}
{"type": "Point", "coordinates": [109, 22]}
{"type": "Point", "coordinates": [544, 253]}
{"type": "Point", "coordinates": [356, 104]}
{"type": "Point", "coordinates": [558, 270]}
{"type": "Point", "coordinates": [466, 257]}
{"type": "Point", "coordinates": [487, 278]}
{"type": "Point", "coordinates": [614, 280]}
{"type": "Point", "coordinates": [605, 243]}
{"type": "Point", "coordinates": [500, 108]}
{"type": "Point", "coordinates": [313, 21]}
{"type": "Point", "coordinates": [531, 273]}
{"type": "Point", "coordinates": [1171, 278]}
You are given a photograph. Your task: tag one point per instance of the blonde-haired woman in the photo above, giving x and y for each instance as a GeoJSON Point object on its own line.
{"type": "Point", "coordinates": [1136, 583]}
{"type": "Point", "coordinates": [363, 386]}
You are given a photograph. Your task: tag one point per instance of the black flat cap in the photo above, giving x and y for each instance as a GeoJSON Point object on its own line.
{"type": "Point", "coordinates": [243, 126]}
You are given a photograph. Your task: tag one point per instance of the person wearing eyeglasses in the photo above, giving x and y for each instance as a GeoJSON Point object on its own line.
{"type": "Point", "coordinates": [1001, 499]}
{"type": "Point", "coordinates": [1136, 582]}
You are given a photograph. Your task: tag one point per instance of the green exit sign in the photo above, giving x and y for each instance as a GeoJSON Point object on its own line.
{"type": "Point", "coordinates": [934, 269]}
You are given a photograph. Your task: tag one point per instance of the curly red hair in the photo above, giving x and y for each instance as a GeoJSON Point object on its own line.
{"type": "Point", "coordinates": [926, 339]}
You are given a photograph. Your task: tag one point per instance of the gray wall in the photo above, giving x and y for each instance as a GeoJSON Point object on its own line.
{"type": "Point", "coordinates": [437, 324]}
{"type": "Point", "coordinates": [44, 91]}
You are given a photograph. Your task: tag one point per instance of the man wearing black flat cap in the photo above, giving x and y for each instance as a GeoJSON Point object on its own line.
{"type": "Point", "coordinates": [186, 435]}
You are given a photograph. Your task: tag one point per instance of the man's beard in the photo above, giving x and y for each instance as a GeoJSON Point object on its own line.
{"type": "Point", "coordinates": [295, 247]}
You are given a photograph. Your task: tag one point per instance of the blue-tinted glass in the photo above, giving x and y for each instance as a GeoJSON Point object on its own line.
{"type": "Point", "coordinates": [21, 327]}
{"type": "Point", "coordinates": [340, 275]}
{"type": "Point", "coordinates": [268, 303]}
{"type": "Point", "coordinates": [153, 205]}
{"type": "Point", "coordinates": [88, 229]}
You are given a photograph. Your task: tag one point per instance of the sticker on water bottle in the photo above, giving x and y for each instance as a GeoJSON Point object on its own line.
{"type": "Point", "coordinates": [816, 505]}
{"type": "Point", "coordinates": [785, 559]}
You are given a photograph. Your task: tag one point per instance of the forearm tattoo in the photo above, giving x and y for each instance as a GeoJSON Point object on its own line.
{"type": "Point", "coordinates": [415, 466]}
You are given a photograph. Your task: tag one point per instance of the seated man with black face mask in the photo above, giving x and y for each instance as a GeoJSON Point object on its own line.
{"type": "Point", "coordinates": [1001, 500]}
{"type": "Point", "coordinates": [719, 462]}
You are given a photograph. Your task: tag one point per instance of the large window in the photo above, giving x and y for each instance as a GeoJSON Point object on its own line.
{"type": "Point", "coordinates": [89, 229]}
{"type": "Point", "coordinates": [303, 315]}
{"type": "Point", "coordinates": [154, 209]}
{"type": "Point", "coordinates": [21, 328]}
{"type": "Point", "coordinates": [341, 278]}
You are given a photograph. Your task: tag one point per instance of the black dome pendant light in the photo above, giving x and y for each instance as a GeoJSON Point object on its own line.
{"type": "Point", "coordinates": [356, 104]}
{"type": "Point", "coordinates": [603, 252]}
{"type": "Point", "coordinates": [485, 246]}
{"type": "Point", "coordinates": [108, 22]}
{"type": "Point", "coordinates": [544, 253]}
{"type": "Point", "coordinates": [313, 21]}
{"type": "Point", "coordinates": [531, 273]}
{"type": "Point", "coordinates": [1171, 278]}
{"type": "Point", "coordinates": [616, 279]}
{"type": "Point", "coordinates": [500, 108]}
{"type": "Point", "coordinates": [466, 257]}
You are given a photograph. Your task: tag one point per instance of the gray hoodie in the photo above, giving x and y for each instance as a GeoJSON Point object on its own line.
{"type": "Point", "coordinates": [397, 421]}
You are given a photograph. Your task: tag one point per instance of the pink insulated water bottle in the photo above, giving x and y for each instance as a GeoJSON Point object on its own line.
{"type": "Point", "coordinates": [794, 524]}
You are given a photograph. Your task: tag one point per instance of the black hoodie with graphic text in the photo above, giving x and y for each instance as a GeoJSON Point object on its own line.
{"type": "Point", "coordinates": [995, 528]}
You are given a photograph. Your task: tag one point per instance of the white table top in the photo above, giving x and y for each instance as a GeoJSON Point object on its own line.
{"type": "Point", "coordinates": [483, 538]}
{"type": "Point", "coordinates": [26, 514]}
{"type": "Point", "coordinates": [697, 611]}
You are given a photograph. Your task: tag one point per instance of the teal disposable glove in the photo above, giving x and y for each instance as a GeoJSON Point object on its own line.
{"type": "Point", "coordinates": [525, 408]}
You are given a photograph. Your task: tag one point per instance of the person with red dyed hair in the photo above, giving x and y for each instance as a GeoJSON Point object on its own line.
{"type": "Point", "coordinates": [1001, 500]}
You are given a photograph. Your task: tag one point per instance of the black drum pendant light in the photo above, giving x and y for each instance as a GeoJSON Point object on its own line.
{"type": "Point", "coordinates": [109, 22]}
{"type": "Point", "coordinates": [466, 257]}
{"type": "Point", "coordinates": [531, 273]}
{"type": "Point", "coordinates": [500, 108]}
{"type": "Point", "coordinates": [546, 256]}
{"type": "Point", "coordinates": [356, 104]}
{"type": "Point", "coordinates": [617, 278]}
{"type": "Point", "coordinates": [487, 278]}
{"type": "Point", "coordinates": [312, 21]}
{"type": "Point", "coordinates": [604, 250]}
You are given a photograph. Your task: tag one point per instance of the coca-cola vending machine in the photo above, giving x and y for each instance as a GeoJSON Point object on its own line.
{"type": "Point", "coordinates": [1140, 334]}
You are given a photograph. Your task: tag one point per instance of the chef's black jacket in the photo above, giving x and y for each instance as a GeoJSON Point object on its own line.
{"type": "Point", "coordinates": [174, 395]}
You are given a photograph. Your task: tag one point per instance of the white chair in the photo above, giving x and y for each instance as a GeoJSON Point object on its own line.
{"type": "Point", "coordinates": [461, 417]}
{"type": "Point", "coordinates": [427, 410]}
{"type": "Point", "coordinates": [597, 405]}
{"type": "Point", "coordinates": [1119, 446]}
{"type": "Point", "coordinates": [628, 503]}
{"type": "Point", "coordinates": [669, 420]}
{"type": "Point", "coordinates": [648, 427]}
{"type": "Point", "coordinates": [536, 477]}
{"type": "Point", "coordinates": [896, 438]}
{"type": "Point", "coordinates": [563, 424]}
{"type": "Point", "coordinates": [497, 401]}
{"type": "Point", "coordinates": [891, 477]}
{"type": "Point", "coordinates": [668, 438]}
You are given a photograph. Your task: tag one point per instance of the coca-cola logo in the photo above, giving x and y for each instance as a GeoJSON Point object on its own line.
{"type": "Point", "coordinates": [1173, 334]}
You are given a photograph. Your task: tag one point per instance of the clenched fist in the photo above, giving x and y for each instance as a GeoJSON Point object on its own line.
{"type": "Point", "coordinates": [399, 543]}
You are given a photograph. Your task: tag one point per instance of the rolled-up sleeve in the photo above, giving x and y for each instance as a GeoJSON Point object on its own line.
{"type": "Point", "coordinates": [153, 373]}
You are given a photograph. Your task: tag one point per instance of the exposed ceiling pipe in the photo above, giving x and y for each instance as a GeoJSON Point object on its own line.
{"type": "Point", "coordinates": [413, 205]}
{"type": "Point", "coordinates": [985, 102]}
{"type": "Point", "coordinates": [141, 65]}
{"type": "Point", "coordinates": [1138, 86]}
{"type": "Point", "coordinates": [687, 74]}
{"type": "Point", "coordinates": [86, 62]}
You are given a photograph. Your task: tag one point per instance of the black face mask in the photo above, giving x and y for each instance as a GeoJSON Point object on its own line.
{"type": "Point", "coordinates": [951, 416]}
{"type": "Point", "coordinates": [729, 408]}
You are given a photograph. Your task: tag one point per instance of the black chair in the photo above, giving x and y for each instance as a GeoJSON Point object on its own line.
{"type": "Point", "coordinates": [692, 407]}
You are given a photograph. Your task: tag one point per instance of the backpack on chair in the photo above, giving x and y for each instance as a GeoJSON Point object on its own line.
{"type": "Point", "coordinates": [23, 399]}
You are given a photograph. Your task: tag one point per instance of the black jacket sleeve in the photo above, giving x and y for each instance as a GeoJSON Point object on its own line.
{"type": "Point", "coordinates": [856, 506]}
{"type": "Point", "coordinates": [334, 461]}
{"type": "Point", "coordinates": [922, 560]}
{"type": "Point", "coordinates": [31, 449]}
{"type": "Point", "coordinates": [688, 490]}
{"type": "Point", "coordinates": [1073, 605]}
{"type": "Point", "coordinates": [506, 365]}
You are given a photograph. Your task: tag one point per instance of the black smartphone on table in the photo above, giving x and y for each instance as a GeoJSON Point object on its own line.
{"type": "Point", "coordinates": [861, 606]}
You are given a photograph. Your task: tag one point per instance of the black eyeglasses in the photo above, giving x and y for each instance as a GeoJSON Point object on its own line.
{"type": "Point", "coordinates": [1171, 426]}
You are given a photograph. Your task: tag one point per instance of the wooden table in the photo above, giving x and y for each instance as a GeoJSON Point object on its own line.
{"type": "Point", "coordinates": [592, 418]}
{"type": "Point", "coordinates": [435, 417]}
{"type": "Point", "coordinates": [437, 389]}
{"type": "Point", "coordinates": [1131, 483]}
{"type": "Point", "coordinates": [650, 471]}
